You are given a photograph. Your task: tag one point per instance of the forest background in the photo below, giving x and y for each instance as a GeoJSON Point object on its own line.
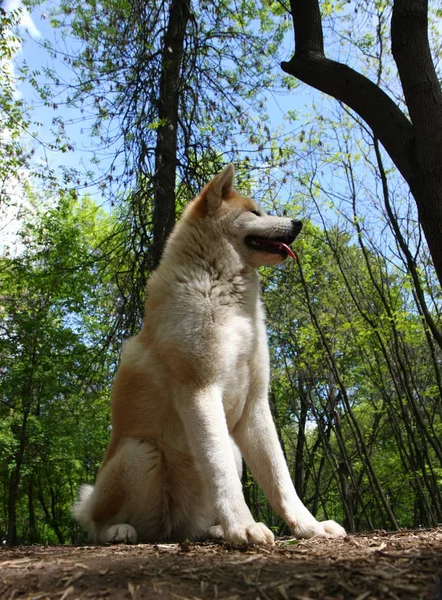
{"type": "Point", "coordinates": [110, 122]}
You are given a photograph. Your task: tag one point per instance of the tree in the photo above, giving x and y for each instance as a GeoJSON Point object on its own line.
{"type": "Point", "coordinates": [355, 398]}
{"type": "Point", "coordinates": [13, 117]}
{"type": "Point", "coordinates": [171, 90]}
{"type": "Point", "coordinates": [55, 304]}
{"type": "Point", "coordinates": [413, 140]}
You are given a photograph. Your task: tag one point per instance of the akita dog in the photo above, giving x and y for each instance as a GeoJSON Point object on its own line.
{"type": "Point", "coordinates": [190, 394]}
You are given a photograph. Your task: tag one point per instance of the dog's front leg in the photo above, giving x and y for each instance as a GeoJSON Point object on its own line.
{"type": "Point", "coordinates": [258, 441]}
{"type": "Point", "coordinates": [202, 414]}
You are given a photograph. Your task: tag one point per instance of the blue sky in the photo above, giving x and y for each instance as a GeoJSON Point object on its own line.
{"type": "Point", "coordinates": [35, 29]}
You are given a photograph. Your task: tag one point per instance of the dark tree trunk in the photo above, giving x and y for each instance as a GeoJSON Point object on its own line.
{"type": "Point", "coordinates": [14, 482]}
{"type": "Point", "coordinates": [422, 91]}
{"type": "Point", "coordinates": [415, 144]}
{"type": "Point", "coordinates": [50, 515]}
{"type": "Point", "coordinates": [166, 148]}
{"type": "Point", "coordinates": [33, 534]}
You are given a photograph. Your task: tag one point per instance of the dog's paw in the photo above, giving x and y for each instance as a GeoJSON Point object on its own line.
{"type": "Point", "coordinates": [121, 534]}
{"type": "Point", "coordinates": [309, 529]}
{"type": "Point", "coordinates": [252, 533]}
{"type": "Point", "coordinates": [215, 532]}
{"type": "Point", "coordinates": [305, 530]}
{"type": "Point", "coordinates": [333, 529]}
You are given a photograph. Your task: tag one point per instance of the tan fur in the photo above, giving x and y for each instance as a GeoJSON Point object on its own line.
{"type": "Point", "coordinates": [193, 384]}
{"type": "Point", "coordinates": [199, 207]}
{"type": "Point", "coordinates": [112, 495]}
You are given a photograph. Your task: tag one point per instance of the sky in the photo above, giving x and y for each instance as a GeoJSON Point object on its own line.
{"type": "Point", "coordinates": [9, 222]}
{"type": "Point", "coordinates": [35, 29]}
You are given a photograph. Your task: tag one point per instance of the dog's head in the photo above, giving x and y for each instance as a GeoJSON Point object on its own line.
{"type": "Point", "coordinates": [259, 238]}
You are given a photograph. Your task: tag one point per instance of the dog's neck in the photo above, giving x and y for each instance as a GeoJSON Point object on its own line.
{"type": "Point", "coordinates": [210, 264]}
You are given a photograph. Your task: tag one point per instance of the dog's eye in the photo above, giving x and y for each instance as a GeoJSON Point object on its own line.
{"type": "Point", "coordinates": [255, 212]}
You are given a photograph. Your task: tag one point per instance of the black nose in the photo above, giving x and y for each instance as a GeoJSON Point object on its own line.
{"type": "Point", "coordinates": [297, 225]}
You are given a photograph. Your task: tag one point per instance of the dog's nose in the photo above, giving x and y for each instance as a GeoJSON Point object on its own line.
{"type": "Point", "coordinates": [297, 225]}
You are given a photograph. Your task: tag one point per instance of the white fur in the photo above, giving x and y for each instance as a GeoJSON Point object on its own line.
{"type": "Point", "coordinates": [194, 380]}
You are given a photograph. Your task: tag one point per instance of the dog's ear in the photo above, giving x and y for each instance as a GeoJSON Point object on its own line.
{"type": "Point", "coordinates": [217, 190]}
{"type": "Point", "coordinates": [223, 182]}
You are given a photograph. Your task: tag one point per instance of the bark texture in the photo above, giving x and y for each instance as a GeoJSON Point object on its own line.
{"type": "Point", "coordinates": [165, 152]}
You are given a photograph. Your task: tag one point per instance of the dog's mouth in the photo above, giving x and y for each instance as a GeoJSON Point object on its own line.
{"type": "Point", "coordinates": [272, 246]}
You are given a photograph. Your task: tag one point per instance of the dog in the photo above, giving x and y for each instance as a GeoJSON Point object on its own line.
{"type": "Point", "coordinates": [189, 398]}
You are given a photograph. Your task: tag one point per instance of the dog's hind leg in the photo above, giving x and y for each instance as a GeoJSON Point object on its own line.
{"type": "Point", "coordinates": [118, 534]}
{"type": "Point", "coordinates": [87, 505]}
{"type": "Point", "coordinates": [102, 534]}
{"type": "Point", "coordinates": [99, 504]}
{"type": "Point", "coordinates": [124, 505]}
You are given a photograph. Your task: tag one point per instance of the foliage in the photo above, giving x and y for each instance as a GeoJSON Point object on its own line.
{"type": "Point", "coordinates": [229, 67]}
{"type": "Point", "coordinates": [54, 398]}
{"type": "Point", "coordinates": [353, 325]}
{"type": "Point", "coordinates": [13, 118]}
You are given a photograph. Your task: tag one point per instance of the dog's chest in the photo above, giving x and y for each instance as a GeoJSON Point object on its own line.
{"type": "Point", "coordinates": [243, 351]}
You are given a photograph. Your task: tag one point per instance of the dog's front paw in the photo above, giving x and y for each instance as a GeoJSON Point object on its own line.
{"type": "Point", "coordinates": [251, 533]}
{"type": "Point", "coordinates": [308, 529]}
{"type": "Point", "coordinates": [333, 529]}
{"type": "Point", "coordinates": [313, 528]}
{"type": "Point", "coordinates": [121, 534]}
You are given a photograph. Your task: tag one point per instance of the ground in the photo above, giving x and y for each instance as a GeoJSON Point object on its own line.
{"type": "Point", "coordinates": [405, 565]}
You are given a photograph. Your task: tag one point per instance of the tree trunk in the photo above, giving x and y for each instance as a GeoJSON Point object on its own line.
{"type": "Point", "coordinates": [50, 516]}
{"type": "Point", "coordinates": [14, 481]}
{"type": "Point", "coordinates": [423, 94]}
{"type": "Point", "coordinates": [33, 534]}
{"type": "Point", "coordinates": [166, 148]}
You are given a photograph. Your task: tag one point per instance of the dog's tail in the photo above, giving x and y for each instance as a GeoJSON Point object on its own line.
{"type": "Point", "coordinates": [81, 510]}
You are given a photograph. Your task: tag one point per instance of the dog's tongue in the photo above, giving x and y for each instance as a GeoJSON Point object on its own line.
{"type": "Point", "coordinates": [285, 247]}
{"type": "Point", "coordinates": [289, 251]}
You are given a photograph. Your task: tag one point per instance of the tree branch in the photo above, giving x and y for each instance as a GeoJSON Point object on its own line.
{"type": "Point", "coordinates": [308, 27]}
{"type": "Point", "coordinates": [377, 109]}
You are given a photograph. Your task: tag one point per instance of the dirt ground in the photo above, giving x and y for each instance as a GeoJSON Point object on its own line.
{"type": "Point", "coordinates": [405, 565]}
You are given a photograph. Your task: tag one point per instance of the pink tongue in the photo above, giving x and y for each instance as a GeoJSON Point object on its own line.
{"type": "Point", "coordinates": [287, 249]}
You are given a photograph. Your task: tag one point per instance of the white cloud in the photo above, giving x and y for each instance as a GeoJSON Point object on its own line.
{"type": "Point", "coordinates": [12, 196]}
{"type": "Point", "coordinates": [26, 24]}
{"type": "Point", "coordinates": [26, 21]}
